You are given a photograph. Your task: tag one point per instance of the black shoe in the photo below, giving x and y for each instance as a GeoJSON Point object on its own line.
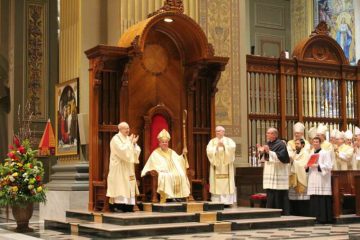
{"type": "Point", "coordinates": [112, 207]}
{"type": "Point", "coordinates": [129, 208]}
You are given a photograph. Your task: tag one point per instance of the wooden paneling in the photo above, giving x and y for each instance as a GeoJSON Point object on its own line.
{"type": "Point", "coordinates": [316, 86]}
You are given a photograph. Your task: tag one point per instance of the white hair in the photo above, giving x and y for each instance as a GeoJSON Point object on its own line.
{"type": "Point", "coordinates": [122, 125]}
{"type": "Point", "coordinates": [220, 128]}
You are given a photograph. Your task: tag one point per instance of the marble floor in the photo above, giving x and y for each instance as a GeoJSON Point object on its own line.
{"type": "Point", "coordinates": [317, 232]}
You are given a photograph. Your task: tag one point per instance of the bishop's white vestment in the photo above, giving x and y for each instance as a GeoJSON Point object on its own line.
{"type": "Point", "coordinates": [121, 182]}
{"type": "Point", "coordinates": [221, 179]}
{"type": "Point", "coordinates": [344, 156]}
{"type": "Point", "coordinates": [172, 178]}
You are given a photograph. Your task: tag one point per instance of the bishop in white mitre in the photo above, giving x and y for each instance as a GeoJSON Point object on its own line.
{"type": "Point", "coordinates": [171, 168]}
{"type": "Point", "coordinates": [344, 153]}
{"type": "Point", "coordinates": [298, 129]}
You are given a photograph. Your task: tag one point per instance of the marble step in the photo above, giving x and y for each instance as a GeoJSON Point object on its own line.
{"type": "Point", "coordinates": [106, 230]}
{"type": "Point", "coordinates": [143, 217]}
{"type": "Point", "coordinates": [247, 213]}
{"type": "Point", "coordinates": [347, 219]}
{"type": "Point", "coordinates": [279, 222]}
{"type": "Point", "coordinates": [181, 206]}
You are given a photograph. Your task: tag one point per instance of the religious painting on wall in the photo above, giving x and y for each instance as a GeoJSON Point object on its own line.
{"type": "Point", "coordinates": [67, 108]}
{"type": "Point", "coordinates": [339, 15]}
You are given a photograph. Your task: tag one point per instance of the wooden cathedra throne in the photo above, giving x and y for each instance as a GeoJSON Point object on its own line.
{"type": "Point", "coordinates": [154, 62]}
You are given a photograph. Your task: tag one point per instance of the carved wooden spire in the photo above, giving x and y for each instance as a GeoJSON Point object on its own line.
{"type": "Point", "coordinates": [170, 5]}
{"type": "Point", "coordinates": [321, 28]}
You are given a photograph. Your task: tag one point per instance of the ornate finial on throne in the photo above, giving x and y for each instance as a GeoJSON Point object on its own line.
{"type": "Point", "coordinates": [170, 5]}
{"type": "Point", "coordinates": [321, 28]}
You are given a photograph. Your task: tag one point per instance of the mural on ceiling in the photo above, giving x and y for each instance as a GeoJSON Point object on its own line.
{"type": "Point", "coordinates": [339, 15]}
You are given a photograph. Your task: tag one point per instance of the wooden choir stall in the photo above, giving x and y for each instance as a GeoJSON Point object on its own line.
{"type": "Point", "coordinates": [317, 85]}
{"type": "Point", "coordinates": [162, 66]}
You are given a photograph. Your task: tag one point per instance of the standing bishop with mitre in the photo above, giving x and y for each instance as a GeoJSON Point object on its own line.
{"type": "Point", "coordinates": [221, 154]}
{"type": "Point", "coordinates": [173, 182]}
{"type": "Point", "coordinates": [299, 129]}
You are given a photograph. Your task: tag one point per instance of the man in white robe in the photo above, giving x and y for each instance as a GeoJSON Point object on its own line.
{"type": "Point", "coordinates": [344, 153]}
{"type": "Point", "coordinates": [221, 154]}
{"type": "Point", "coordinates": [311, 134]}
{"type": "Point", "coordinates": [299, 200]}
{"type": "Point", "coordinates": [356, 156]}
{"type": "Point", "coordinates": [276, 160]}
{"type": "Point", "coordinates": [121, 182]}
{"type": "Point", "coordinates": [326, 145]}
{"type": "Point", "coordinates": [298, 134]}
{"type": "Point", "coordinates": [319, 184]}
{"type": "Point", "coordinates": [173, 182]}
{"type": "Point", "coordinates": [349, 137]}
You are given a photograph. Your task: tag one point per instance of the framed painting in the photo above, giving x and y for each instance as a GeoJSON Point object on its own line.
{"type": "Point", "coordinates": [67, 109]}
{"type": "Point", "coordinates": [339, 16]}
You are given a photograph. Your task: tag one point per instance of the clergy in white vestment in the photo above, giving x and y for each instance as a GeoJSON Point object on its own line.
{"type": "Point", "coordinates": [332, 139]}
{"type": "Point", "coordinates": [171, 168]}
{"type": "Point", "coordinates": [299, 200]}
{"type": "Point", "coordinates": [356, 156]}
{"type": "Point", "coordinates": [221, 154]}
{"type": "Point", "coordinates": [349, 137]}
{"type": "Point", "coordinates": [276, 161]}
{"type": "Point", "coordinates": [121, 182]}
{"type": "Point", "coordinates": [325, 144]}
{"type": "Point", "coordinates": [343, 152]}
{"type": "Point", "coordinates": [319, 183]}
{"type": "Point", "coordinates": [298, 129]}
{"type": "Point", "coordinates": [311, 134]}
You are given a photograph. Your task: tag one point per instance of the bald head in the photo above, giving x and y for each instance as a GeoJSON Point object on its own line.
{"type": "Point", "coordinates": [124, 128]}
{"type": "Point", "coordinates": [220, 132]}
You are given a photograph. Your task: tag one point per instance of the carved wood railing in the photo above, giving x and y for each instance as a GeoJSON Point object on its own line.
{"type": "Point", "coordinates": [317, 85]}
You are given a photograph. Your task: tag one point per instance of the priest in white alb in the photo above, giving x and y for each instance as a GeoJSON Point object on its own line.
{"type": "Point", "coordinates": [171, 168]}
{"type": "Point", "coordinates": [325, 144]}
{"type": "Point", "coordinates": [221, 154]}
{"type": "Point", "coordinates": [121, 182]}
{"type": "Point", "coordinates": [299, 200]}
{"type": "Point", "coordinates": [343, 152]}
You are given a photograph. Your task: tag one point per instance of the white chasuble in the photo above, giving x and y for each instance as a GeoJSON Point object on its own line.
{"type": "Point", "coordinates": [121, 182]}
{"type": "Point", "coordinates": [344, 156]}
{"type": "Point", "coordinates": [171, 168]}
{"type": "Point", "coordinates": [221, 178]}
{"type": "Point", "coordinates": [298, 176]}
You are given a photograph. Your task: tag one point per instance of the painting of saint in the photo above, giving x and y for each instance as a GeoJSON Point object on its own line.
{"type": "Point", "coordinates": [66, 118]}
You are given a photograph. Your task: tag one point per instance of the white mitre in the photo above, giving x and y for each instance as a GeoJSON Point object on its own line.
{"type": "Point", "coordinates": [312, 133]}
{"type": "Point", "coordinates": [348, 134]}
{"type": "Point", "coordinates": [299, 127]}
{"type": "Point", "coordinates": [333, 133]}
{"type": "Point", "coordinates": [340, 134]}
{"type": "Point", "coordinates": [163, 135]}
{"type": "Point", "coordinates": [321, 129]}
{"type": "Point", "coordinates": [357, 131]}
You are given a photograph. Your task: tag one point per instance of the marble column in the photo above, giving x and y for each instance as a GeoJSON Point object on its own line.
{"type": "Point", "coordinates": [225, 24]}
{"type": "Point", "coordinates": [302, 20]}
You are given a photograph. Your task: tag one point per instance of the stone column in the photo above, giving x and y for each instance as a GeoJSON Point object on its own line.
{"type": "Point", "coordinates": [225, 24]}
{"type": "Point", "coordinates": [82, 26]}
{"type": "Point", "coordinates": [302, 20]}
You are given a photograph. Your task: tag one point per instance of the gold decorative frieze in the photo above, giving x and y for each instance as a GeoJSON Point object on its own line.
{"type": "Point", "coordinates": [36, 62]}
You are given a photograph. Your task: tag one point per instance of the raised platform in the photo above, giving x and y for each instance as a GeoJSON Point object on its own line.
{"type": "Point", "coordinates": [185, 218]}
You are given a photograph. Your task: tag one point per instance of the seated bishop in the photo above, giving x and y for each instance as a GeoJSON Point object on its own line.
{"type": "Point", "coordinates": [171, 168]}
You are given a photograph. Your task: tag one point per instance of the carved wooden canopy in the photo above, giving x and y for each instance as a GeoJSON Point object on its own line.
{"type": "Point", "coordinates": [156, 61]}
{"type": "Point", "coordinates": [319, 46]}
{"type": "Point", "coordinates": [185, 32]}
